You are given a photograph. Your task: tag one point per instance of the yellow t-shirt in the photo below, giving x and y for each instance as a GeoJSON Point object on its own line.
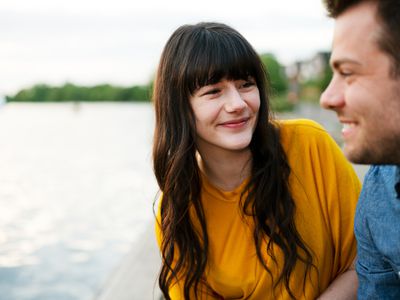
{"type": "Point", "coordinates": [325, 190]}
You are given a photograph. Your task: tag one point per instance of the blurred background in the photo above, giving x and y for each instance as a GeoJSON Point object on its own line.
{"type": "Point", "coordinates": [76, 183]}
{"type": "Point", "coordinates": [116, 44]}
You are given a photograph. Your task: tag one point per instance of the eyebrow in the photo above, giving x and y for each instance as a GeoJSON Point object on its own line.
{"type": "Point", "coordinates": [336, 63]}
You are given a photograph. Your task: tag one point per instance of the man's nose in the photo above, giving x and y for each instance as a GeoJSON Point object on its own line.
{"type": "Point", "coordinates": [333, 96]}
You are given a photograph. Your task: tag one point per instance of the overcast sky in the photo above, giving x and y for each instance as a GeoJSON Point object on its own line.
{"type": "Point", "coordinates": [119, 41]}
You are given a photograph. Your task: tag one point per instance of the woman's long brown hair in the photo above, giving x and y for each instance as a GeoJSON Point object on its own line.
{"type": "Point", "coordinates": [196, 55]}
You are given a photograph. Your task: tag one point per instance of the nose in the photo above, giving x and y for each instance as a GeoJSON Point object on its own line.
{"type": "Point", "coordinates": [333, 96]}
{"type": "Point", "coordinates": [235, 101]}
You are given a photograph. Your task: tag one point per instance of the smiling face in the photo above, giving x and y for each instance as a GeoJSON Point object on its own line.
{"type": "Point", "coordinates": [226, 115]}
{"type": "Point", "coordinates": [363, 93]}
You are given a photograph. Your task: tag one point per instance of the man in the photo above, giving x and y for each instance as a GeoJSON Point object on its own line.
{"type": "Point", "coordinates": [365, 94]}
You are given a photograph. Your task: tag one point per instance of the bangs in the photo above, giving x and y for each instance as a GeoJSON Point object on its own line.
{"type": "Point", "coordinates": [217, 56]}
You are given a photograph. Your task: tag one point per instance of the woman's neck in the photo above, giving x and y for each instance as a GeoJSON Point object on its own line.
{"type": "Point", "coordinates": [227, 169]}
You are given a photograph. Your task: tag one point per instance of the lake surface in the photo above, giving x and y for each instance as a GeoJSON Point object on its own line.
{"type": "Point", "coordinates": [76, 192]}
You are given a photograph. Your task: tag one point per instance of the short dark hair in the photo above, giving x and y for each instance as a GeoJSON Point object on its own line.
{"type": "Point", "coordinates": [388, 15]}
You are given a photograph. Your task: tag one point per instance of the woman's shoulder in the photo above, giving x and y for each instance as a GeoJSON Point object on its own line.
{"type": "Point", "coordinates": [302, 131]}
{"type": "Point", "coordinates": [300, 126]}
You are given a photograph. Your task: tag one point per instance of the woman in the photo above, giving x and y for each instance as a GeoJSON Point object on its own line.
{"type": "Point", "coordinates": [251, 208]}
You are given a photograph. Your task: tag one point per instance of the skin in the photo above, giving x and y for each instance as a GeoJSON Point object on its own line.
{"type": "Point", "coordinates": [344, 287]}
{"type": "Point", "coordinates": [226, 115]}
{"type": "Point", "coordinates": [363, 92]}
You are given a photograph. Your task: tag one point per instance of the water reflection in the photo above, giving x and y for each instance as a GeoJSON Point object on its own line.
{"type": "Point", "coordinates": [76, 190]}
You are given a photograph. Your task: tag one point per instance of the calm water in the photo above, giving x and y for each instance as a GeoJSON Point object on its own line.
{"type": "Point", "coordinates": [76, 191]}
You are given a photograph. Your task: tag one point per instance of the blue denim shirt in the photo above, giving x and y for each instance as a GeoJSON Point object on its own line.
{"type": "Point", "coordinates": [377, 229]}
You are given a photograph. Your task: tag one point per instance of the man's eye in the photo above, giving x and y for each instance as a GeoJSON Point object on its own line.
{"type": "Point", "coordinates": [345, 73]}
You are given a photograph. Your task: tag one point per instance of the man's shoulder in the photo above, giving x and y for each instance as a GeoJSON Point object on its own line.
{"type": "Point", "coordinates": [379, 188]}
{"type": "Point", "coordinates": [381, 173]}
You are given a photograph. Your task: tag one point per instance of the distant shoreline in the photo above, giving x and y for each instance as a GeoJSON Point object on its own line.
{"type": "Point", "coordinates": [71, 92]}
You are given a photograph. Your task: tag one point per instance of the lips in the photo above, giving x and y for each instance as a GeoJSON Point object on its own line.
{"type": "Point", "coordinates": [235, 123]}
{"type": "Point", "coordinates": [348, 127]}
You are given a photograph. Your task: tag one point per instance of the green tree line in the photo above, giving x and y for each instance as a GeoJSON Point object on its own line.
{"type": "Point", "coordinates": [71, 92]}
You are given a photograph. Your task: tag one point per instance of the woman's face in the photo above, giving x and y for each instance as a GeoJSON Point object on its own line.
{"type": "Point", "coordinates": [226, 115]}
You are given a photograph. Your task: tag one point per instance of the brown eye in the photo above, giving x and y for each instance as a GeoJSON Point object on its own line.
{"type": "Point", "coordinates": [209, 91]}
{"type": "Point", "coordinates": [345, 73]}
{"type": "Point", "coordinates": [248, 84]}
{"type": "Point", "coordinates": [212, 92]}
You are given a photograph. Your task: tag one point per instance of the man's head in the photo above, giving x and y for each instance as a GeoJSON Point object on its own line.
{"type": "Point", "coordinates": [388, 16]}
{"type": "Point", "coordinates": [365, 88]}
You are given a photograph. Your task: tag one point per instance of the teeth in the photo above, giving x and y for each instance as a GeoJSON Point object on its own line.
{"type": "Point", "coordinates": [347, 128]}
{"type": "Point", "coordinates": [348, 125]}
